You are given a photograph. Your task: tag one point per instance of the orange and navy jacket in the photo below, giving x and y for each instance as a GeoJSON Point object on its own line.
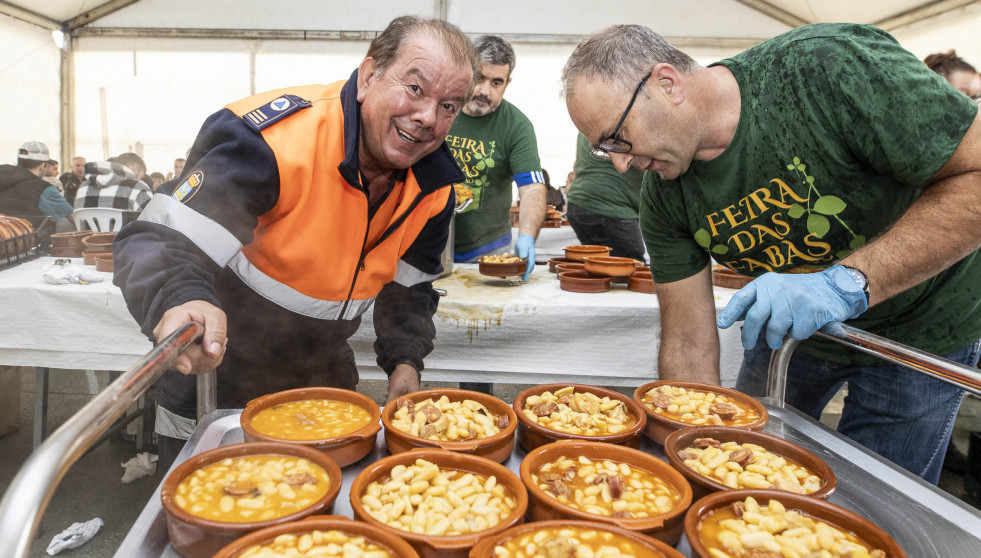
{"type": "Point", "coordinates": [272, 193]}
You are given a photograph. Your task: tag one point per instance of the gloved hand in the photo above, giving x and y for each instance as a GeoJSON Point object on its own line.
{"type": "Point", "coordinates": [525, 247]}
{"type": "Point", "coordinates": [794, 304]}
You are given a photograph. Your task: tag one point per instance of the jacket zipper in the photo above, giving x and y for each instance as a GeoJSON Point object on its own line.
{"type": "Point", "coordinates": [388, 232]}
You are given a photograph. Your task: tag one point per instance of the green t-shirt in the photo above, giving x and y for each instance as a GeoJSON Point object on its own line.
{"type": "Point", "coordinates": [839, 128]}
{"type": "Point", "coordinates": [490, 150]}
{"type": "Point", "coordinates": [600, 188]}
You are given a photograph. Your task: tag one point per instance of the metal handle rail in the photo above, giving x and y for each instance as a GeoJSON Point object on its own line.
{"type": "Point", "coordinates": [31, 490]}
{"type": "Point", "coordinates": [964, 377]}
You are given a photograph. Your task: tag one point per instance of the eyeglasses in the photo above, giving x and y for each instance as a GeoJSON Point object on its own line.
{"type": "Point", "coordinates": [613, 144]}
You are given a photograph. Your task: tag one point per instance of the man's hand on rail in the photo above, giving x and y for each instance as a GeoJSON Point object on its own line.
{"type": "Point", "coordinates": [196, 359]}
{"type": "Point", "coordinates": [793, 304]}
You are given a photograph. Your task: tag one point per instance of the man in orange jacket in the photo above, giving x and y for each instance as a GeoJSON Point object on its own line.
{"type": "Point", "coordinates": [298, 209]}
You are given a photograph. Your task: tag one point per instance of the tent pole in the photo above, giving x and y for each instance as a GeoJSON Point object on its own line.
{"type": "Point", "coordinates": [67, 100]}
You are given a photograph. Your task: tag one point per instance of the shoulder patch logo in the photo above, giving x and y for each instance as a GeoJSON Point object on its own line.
{"type": "Point", "coordinates": [274, 111]}
{"type": "Point", "coordinates": [189, 187]}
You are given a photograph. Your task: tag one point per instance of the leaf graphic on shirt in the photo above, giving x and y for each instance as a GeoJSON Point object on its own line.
{"type": "Point", "coordinates": [490, 162]}
{"type": "Point", "coordinates": [829, 205]}
{"type": "Point", "coordinates": [796, 211]}
{"type": "Point", "coordinates": [480, 165]}
{"type": "Point", "coordinates": [857, 242]}
{"type": "Point", "coordinates": [720, 249]}
{"type": "Point", "coordinates": [818, 225]}
{"type": "Point", "coordinates": [703, 238]}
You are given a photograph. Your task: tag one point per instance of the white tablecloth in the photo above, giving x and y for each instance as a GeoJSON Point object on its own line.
{"type": "Point", "coordinates": [486, 330]}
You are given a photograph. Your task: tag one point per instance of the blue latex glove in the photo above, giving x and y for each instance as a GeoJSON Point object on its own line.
{"type": "Point", "coordinates": [794, 304]}
{"type": "Point", "coordinates": [525, 247]}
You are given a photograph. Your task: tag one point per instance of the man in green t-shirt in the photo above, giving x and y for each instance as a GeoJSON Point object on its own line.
{"type": "Point", "coordinates": [494, 144]}
{"type": "Point", "coordinates": [829, 149]}
{"type": "Point", "coordinates": [603, 204]}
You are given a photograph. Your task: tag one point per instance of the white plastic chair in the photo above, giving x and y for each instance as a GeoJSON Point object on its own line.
{"type": "Point", "coordinates": [100, 219]}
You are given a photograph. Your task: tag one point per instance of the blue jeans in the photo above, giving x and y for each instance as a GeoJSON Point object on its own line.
{"type": "Point", "coordinates": [621, 235]}
{"type": "Point", "coordinates": [903, 415]}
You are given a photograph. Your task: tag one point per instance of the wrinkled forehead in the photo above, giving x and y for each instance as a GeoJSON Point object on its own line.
{"type": "Point", "coordinates": [428, 59]}
{"type": "Point", "coordinates": [595, 106]}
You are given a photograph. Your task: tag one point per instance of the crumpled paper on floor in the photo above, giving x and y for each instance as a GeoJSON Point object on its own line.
{"type": "Point", "coordinates": [63, 272]}
{"type": "Point", "coordinates": [140, 466]}
{"type": "Point", "coordinates": [74, 536]}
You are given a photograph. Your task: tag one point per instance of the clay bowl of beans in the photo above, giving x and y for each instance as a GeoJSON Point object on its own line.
{"type": "Point", "coordinates": [567, 537]}
{"type": "Point", "coordinates": [740, 523]}
{"type": "Point", "coordinates": [580, 252]}
{"type": "Point", "coordinates": [671, 405]}
{"type": "Point", "coordinates": [219, 495]}
{"type": "Point", "coordinates": [552, 412]}
{"type": "Point", "coordinates": [339, 422]}
{"type": "Point", "coordinates": [502, 265]}
{"type": "Point", "coordinates": [717, 458]}
{"type": "Point", "coordinates": [575, 479]}
{"type": "Point", "coordinates": [319, 536]}
{"type": "Point", "coordinates": [440, 501]}
{"type": "Point", "coordinates": [451, 419]}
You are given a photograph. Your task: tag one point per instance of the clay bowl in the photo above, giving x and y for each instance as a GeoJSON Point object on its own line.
{"type": "Point", "coordinates": [659, 426]}
{"type": "Point", "coordinates": [678, 440]}
{"type": "Point", "coordinates": [642, 269]}
{"type": "Point", "coordinates": [570, 266]}
{"type": "Point", "coordinates": [610, 266]}
{"type": "Point", "coordinates": [98, 242]}
{"type": "Point", "coordinates": [641, 282]}
{"type": "Point", "coordinates": [666, 527]}
{"type": "Point", "coordinates": [579, 252]}
{"type": "Point", "coordinates": [583, 282]}
{"type": "Point", "coordinates": [89, 257]}
{"type": "Point", "coordinates": [394, 545]}
{"type": "Point", "coordinates": [502, 269]}
{"type": "Point", "coordinates": [195, 537]}
{"type": "Point", "coordinates": [531, 434]}
{"type": "Point", "coordinates": [344, 449]}
{"type": "Point", "coordinates": [497, 447]}
{"type": "Point", "coordinates": [726, 278]}
{"type": "Point", "coordinates": [104, 263]}
{"type": "Point", "coordinates": [652, 548]}
{"type": "Point", "coordinates": [553, 262]}
{"type": "Point", "coordinates": [816, 508]}
{"type": "Point", "coordinates": [441, 546]}
{"type": "Point", "coordinates": [66, 252]}
{"type": "Point", "coordinates": [69, 239]}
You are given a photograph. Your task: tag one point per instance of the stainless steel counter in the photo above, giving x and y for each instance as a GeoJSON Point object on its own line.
{"type": "Point", "coordinates": [926, 521]}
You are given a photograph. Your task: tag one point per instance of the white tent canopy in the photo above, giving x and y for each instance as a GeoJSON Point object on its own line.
{"type": "Point", "coordinates": [141, 75]}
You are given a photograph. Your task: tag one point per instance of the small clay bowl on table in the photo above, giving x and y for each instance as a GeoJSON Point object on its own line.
{"type": "Point", "coordinates": [816, 508]}
{"type": "Point", "coordinates": [395, 546]}
{"type": "Point", "coordinates": [554, 262]}
{"type": "Point", "coordinates": [69, 239]}
{"type": "Point", "coordinates": [104, 262]}
{"type": "Point", "coordinates": [648, 547]}
{"type": "Point", "coordinates": [659, 426]}
{"type": "Point", "coordinates": [581, 251]}
{"type": "Point", "coordinates": [666, 527]}
{"type": "Point", "coordinates": [89, 257]}
{"type": "Point", "coordinates": [728, 279]}
{"type": "Point", "coordinates": [196, 537]}
{"type": "Point", "coordinates": [641, 282]}
{"type": "Point", "coordinates": [679, 440]}
{"type": "Point", "coordinates": [344, 449]}
{"type": "Point", "coordinates": [441, 546]}
{"type": "Point", "coordinates": [531, 434]}
{"type": "Point", "coordinates": [583, 282]}
{"type": "Point", "coordinates": [497, 447]}
{"type": "Point", "coordinates": [98, 242]}
{"type": "Point", "coordinates": [509, 269]}
{"type": "Point", "coordinates": [569, 266]}
{"type": "Point", "coordinates": [610, 266]}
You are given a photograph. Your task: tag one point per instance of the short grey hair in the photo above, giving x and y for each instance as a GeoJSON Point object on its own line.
{"type": "Point", "coordinates": [622, 55]}
{"type": "Point", "coordinates": [495, 51]}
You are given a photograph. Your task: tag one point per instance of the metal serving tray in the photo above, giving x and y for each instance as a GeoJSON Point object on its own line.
{"type": "Point", "coordinates": [924, 520]}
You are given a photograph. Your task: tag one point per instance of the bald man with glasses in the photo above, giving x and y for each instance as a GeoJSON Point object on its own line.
{"type": "Point", "coordinates": [833, 166]}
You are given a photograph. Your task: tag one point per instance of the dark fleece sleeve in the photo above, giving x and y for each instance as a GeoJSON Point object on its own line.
{"type": "Point", "coordinates": [403, 315]}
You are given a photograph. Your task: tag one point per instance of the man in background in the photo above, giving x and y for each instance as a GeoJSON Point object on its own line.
{"type": "Point", "coordinates": [24, 193]}
{"type": "Point", "coordinates": [178, 167]}
{"type": "Point", "coordinates": [604, 204]}
{"type": "Point", "coordinates": [70, 181]}
{"type": "Point", "coordinates": [115, 183]}
{"type": "Point", "coordinates": [494, 143]}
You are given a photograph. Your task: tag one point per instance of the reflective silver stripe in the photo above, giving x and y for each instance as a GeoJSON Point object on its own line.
{"type": "Point", "coordinates": [291, 299]}
{"type": "Point", "coordinates": [408, 275]}
{"type": "Point", "coordinates": [213, 239]}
